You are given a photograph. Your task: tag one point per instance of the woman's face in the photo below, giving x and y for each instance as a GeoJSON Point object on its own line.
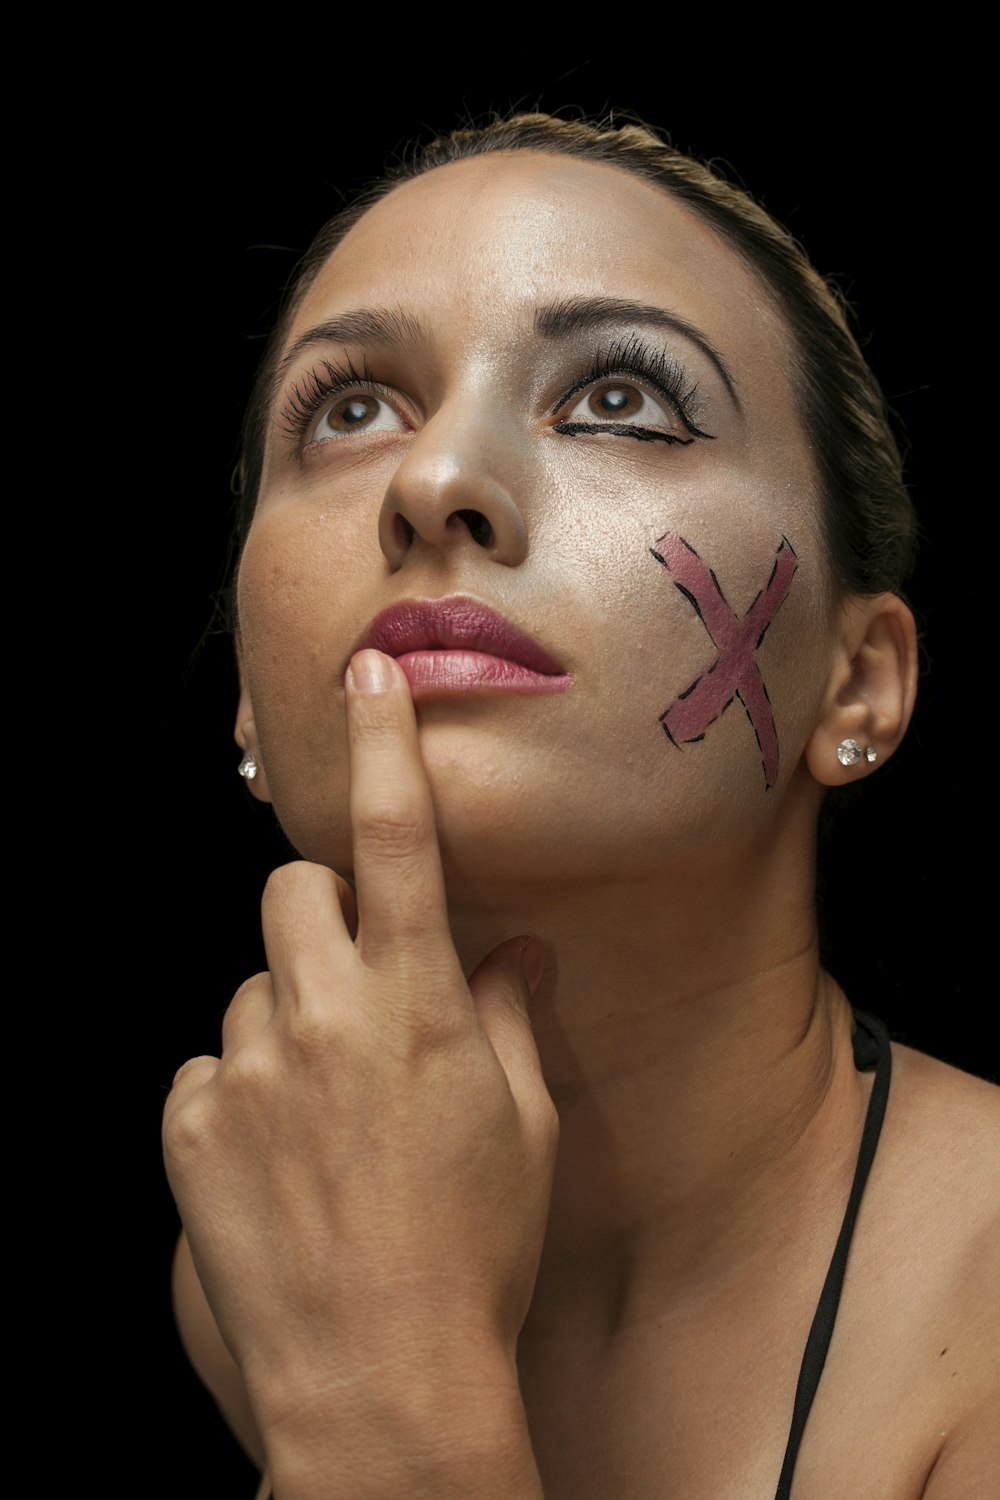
{"type": "Point", "coordinates": [539, 389]}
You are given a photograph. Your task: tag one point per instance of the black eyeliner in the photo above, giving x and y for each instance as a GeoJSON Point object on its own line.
{"type": "Point", "coordinates": [631, 357]}
{"type": "Point", "coordinates": [625, 429]}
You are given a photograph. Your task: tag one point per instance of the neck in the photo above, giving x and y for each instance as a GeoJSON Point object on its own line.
{"type": "Point", "coordinates": [700, 1062]}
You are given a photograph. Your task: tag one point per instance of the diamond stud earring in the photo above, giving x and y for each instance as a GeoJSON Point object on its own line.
{"type": "Point", "coordinates": [849, 752]}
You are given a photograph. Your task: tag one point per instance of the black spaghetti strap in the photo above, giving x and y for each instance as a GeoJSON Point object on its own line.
{"type": "Point", "coordinates": [871, 1046]}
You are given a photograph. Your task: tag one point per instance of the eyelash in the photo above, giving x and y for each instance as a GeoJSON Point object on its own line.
{"type": "Point", "coordinates": [627, 359]}
{"type": "Point", "coordinates": [319, 386]}
{"type": "Point", "coordinates": [633, 359]}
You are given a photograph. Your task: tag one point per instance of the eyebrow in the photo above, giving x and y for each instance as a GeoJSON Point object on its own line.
{"type": "Point", "coordinates": [378, 326]}
{"type": "Point", "coordinates": [390, 328]}
{"type": "Point", "coordinates": [584, 314]}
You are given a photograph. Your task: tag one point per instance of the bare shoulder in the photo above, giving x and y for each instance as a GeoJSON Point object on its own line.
{"type": "Point", "coordinates": [945, 1125]}
{"type": "Point", "coordinates": [938, 1180]}
{"type": "Point", "coordinates": [914, 1358]}
{"type": "Point", "coordinates": [941, 1181]}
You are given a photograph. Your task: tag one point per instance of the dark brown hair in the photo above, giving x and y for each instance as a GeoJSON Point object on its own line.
{"type": "Point", "coordinates": [868, 518]}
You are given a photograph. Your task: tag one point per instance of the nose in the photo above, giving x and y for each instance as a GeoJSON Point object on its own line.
{"type": "Point", "coordinates": [453, 491]}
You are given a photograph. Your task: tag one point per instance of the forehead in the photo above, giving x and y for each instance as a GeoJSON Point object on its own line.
{"type": "Point", "coordinates": [477, 246]}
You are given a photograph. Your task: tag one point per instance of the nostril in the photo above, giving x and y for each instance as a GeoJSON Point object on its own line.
{"type": "Point", "coordinates": [478, 527]}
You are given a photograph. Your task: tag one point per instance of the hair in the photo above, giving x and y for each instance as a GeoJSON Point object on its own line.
{"type": "Point", "coordinates": [868, 520]}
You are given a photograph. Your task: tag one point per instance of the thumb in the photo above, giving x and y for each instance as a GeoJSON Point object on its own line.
{"type": "Point", "coordinates": [501, 989]}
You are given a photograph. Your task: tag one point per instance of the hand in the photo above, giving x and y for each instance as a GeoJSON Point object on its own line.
{"type": "Point", "coordinates": [364, 1175]}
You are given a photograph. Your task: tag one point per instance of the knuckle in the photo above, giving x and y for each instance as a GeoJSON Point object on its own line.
{"type": "Point", "coordinates": [193, 1065]}
{"type": "Point", "coordinates": [283, 878]}
{"type": "Point", "coordinates": [247, 994]}
{"type": "Point", "coordinates": [430, 1038]}
{"type": "Point", "coordinates": [316, 1038]}
{"type": "Point", "coordinates": [376, 717]}
{"type": "Point", "coordinates": [185, 1130]}
{"type": "Point", "coordinates": [394, 828]}
{"type": "Point", "coordinates": [250, 1073]}
{"type": "Point", "coordinates": [410, 959]}
{"type": "Point", "coordinates": [243, 1004]}
{"type": "Point", "coordinates": [289, 884]}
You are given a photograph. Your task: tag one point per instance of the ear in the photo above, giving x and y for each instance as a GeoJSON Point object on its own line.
{"type": "Point", "coordinates": [870, 692]}
{"type": "Point", "coordinates": [245, 733]}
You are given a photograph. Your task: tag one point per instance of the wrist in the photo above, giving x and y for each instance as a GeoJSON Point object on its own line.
{"type": "Point", "coordinates": [387, 1436]}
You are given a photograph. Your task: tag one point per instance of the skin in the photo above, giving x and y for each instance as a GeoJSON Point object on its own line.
{"type": "Point", "coordinates": [732, 672]}
{"type": "Point", "coordinates": [419, 1289]}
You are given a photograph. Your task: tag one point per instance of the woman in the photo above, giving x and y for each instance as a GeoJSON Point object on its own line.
{"type": "Point", "coordinates": [568, 588]}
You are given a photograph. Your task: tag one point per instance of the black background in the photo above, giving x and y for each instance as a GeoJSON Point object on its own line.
{"type": "Point", "coordinates": [231, 187]}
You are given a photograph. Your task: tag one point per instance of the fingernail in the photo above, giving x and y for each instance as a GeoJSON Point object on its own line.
{"type": "Point", "coordinates": [532, 962]}
{"type": "Point", "coordinates": [370, 672]}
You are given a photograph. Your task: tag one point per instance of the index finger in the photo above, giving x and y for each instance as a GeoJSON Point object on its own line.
{"type": "Point", "coordinates": [402, 908]}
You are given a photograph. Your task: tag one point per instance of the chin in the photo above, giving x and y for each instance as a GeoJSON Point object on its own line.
{"type": "Point", "coordinates": [516, 813]}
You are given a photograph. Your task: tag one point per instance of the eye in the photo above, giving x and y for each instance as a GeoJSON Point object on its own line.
{"type": "Point", "coordinates": [632, 390]}
{"type": "Point", "coordinates": [621, 401]}
{"type": "Point", "coordinates": [358, 411]}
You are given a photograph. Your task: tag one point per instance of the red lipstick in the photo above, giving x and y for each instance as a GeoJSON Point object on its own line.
{"type": "Point", "coordinates": [457, 645]}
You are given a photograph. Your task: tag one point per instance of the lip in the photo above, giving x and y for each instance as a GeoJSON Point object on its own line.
{"type": "Point", "coordinates": [458, 645]}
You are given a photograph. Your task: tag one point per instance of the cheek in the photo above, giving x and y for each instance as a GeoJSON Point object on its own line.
{"type": "Point", "coordinates": [702, 642]}
{"type": "Point", "coordinates": [284, 653]}
{"type": "Point", "coordinates": [295, 640]}
{"type": "Point", "coordinates": [738, 672]}
{"type": "Point", "coordinates": [732, 670]}
{"type": "Point", "coordinates": [626, 776]}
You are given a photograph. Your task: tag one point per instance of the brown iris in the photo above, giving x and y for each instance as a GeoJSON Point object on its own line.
{"type": "Point", "coordinates": [615, 400]}
{"type": "Point", "coordinates": [351, 412]}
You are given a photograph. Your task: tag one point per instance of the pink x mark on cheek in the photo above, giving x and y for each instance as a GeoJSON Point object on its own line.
{"type": "Point", "coordinates": [733, 672]}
